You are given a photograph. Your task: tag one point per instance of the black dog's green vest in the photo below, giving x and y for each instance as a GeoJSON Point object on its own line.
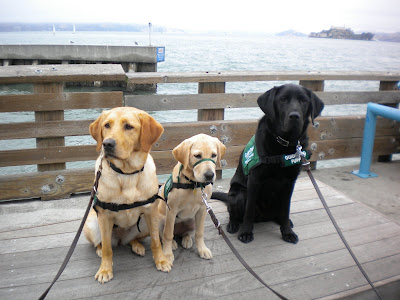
{"type": "Point", "coordinates": [250, 158]}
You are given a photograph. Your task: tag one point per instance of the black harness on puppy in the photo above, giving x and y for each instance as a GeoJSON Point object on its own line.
{"type": "Point", "coordinates": [192, 185]}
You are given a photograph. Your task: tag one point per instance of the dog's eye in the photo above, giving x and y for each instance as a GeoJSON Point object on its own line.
{"type": "Point", "coordinates": [128, 127]}
{"type": "Point", "coordinates": [283, 99]}
{"type": "Point", "coordinates": [302, 99]}
{"type": "Point", "coordinates": [198, 156]}
{"type": "Point", "coordinates": [107, 125]}
{"type": "Point", "coordinates": [213, 155]}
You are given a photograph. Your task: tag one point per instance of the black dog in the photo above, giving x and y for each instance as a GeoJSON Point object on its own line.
{"type": "Point", "coordinates": [261, 189]}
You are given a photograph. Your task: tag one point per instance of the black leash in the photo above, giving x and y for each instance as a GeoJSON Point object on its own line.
{"type": "Point", "coordinates": [237, 254]}
{"type": "Point", "coordinates": [307, 167]}
{"type": "Point", "coordinates": [75, 241]}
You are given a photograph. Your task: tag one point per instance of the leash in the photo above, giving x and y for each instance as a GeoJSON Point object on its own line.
{"type": "Point", "coordinates": [75, 241]}
{"type": "Point", "coordinates": [233, 249]}
{"type": "Point", "coordinates": [307, 167]}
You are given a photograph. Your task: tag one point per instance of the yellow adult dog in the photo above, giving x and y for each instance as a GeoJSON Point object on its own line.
{"type": "Point", "coordinates": [128, 186]}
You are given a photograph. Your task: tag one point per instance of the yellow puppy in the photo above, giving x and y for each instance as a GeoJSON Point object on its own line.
{"type": "Point", "coordinates": [197, 159]}
{"type": "Point", "coordinates": [125, 136]}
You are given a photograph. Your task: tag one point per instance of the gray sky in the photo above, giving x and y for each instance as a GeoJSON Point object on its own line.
{"type": "Point", "coordinates": [216, 15]}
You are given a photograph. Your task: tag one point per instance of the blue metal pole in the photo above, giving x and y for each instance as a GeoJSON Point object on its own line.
{"type": "Point", "coordinates": [373, 110]}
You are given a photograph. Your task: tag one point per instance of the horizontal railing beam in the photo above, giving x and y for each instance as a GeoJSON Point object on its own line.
{"type": "Point", "coordinates": [62, 101]}
{"type": "Point", "coordinates": [246, 100]}
{"type": "Point", "coordinates": [61, 73]}
{"type": "Point", "coordinates": [238, 76]}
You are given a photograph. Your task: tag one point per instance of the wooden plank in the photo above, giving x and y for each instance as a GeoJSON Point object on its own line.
{"type": "Point", "coordinates": [48, 155]}
{"type": "Point", "coordinates": [228, 76]}
{"type": "Point", "coordinates": [238, 100]}
{"type": "Point", "coordinates": [40, 116]}
{"type": "Point", "coordinates": [46, 185]}
{"type": "Point", "coordinates": [347, 127]}
{"type": "Point", "coordinates": [331, 149]}
{"type": "Point", "coordinates": [210, 88]}
{"type": "Point", "coordinates": [44, 129]}
{"type": "Point", "coordinates": [343, 148]}
{"type": "Point", "coordinates": [201, 275]}
{"type": "Point", "coordinates": [61, 73]}
{"type": "Point", "coordinates": [60, 101]}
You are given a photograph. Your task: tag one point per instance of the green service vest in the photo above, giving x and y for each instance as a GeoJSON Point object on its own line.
{"type": "Point", "coordinates": [250, 157]}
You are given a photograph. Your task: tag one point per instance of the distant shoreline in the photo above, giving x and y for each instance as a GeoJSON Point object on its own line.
{"type": "Point", "coordinates": [342, 33]}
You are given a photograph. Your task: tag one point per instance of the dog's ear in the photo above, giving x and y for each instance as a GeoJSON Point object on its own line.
{"type": "Point", "coordinates": [96, 131]}
{"type": "Point", "coordinates": [316, 104]}
{"type": "Point", "coordinates": [266, 102]}
{"type": "Point", "coordinates": [150, 131]}
{"type": "Point", "coordinates": [221, 148]}
{"type": "Point", "coordinates": [182, 152]}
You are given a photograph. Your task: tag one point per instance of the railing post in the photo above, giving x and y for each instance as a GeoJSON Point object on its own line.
{"type": "Point", "coordinates": [211, 114]}
{"type": "Point", "coordinates": [387, 86]}
{"type": "Point", "coordinates": [315, 86]}
{"type": "Point", "coordinates": [43, 116]}
{"type": "Point", "coordinates": [373, 111]}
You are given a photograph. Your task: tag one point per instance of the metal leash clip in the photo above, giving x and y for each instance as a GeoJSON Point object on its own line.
{"type": "Point", "coordinates": [301, 154]}
{"type": "Point", "coordinates": [217, 224]}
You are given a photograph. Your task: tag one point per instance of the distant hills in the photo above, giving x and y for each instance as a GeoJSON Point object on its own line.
{"type": "Point", "coordinates": [16, 27]}
{"type": "Point", "coordinates": [388, 37]}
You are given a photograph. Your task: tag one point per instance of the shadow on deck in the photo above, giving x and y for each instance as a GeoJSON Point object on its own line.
{"type": "Point", "coordinates": [35, 237]}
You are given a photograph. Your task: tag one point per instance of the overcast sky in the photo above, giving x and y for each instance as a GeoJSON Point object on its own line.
{"type": "Point", "coordinates": [216, 15]}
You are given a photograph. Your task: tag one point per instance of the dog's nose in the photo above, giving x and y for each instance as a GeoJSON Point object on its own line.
{"type": "Point", "coordinates": [294, 116]}
{"type": "Point", "coordinates": [109, 144]}
{"type": "Point", "coordinates": [209, 175]}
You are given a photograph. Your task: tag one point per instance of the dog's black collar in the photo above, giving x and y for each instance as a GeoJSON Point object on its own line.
{"type": "Point", "coordinates": [117, 207]}
{"type": "Point", "coordinates": [282, 141]}
{"type": "Point", "coordinates": [118, 170]}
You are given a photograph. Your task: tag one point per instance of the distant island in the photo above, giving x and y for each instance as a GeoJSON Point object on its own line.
{"type": "Point", "coordinates": [291, 33]}
{"type": "Point", "coordinates": [342, 33]}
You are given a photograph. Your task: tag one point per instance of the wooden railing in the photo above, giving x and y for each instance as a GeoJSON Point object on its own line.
{"type": "Point", "coordinates": [332, 138]}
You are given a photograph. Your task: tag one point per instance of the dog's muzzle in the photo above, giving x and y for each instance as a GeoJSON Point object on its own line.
{"type": "Point", "coordinates": [109, 146]}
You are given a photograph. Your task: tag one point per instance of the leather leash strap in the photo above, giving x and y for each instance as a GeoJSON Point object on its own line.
{"type": "Point", "coordinates": [75, 241]}
{"type": "Point", "coordinates": [233, 249]}
{"type": "Point", "coordinates": [306, 165]}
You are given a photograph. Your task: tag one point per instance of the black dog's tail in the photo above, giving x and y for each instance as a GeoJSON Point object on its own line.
{"type": "Point", "coordinates": [220, 196]}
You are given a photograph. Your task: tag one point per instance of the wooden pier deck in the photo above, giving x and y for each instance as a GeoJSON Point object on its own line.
{"type": "Point", "coordinates": [35, 237]}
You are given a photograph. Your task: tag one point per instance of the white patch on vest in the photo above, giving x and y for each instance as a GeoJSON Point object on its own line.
{"type": "Point", "coordinates": [249, 155]}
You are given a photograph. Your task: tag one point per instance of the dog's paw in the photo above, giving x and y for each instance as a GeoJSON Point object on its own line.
{"type": "Point", "coordinates": [205, 253]}
{"type": "Point", "coordinates": [246, 237]}
{"type": "Point", "coordinates": [187, 241]}
{"type": "Point", "coordinates": [164, 265]}
{"type": "Point", "coordinates": [104, 275]}
{"type": "Point", "coordinates": [174, 245]}
{"type": "Point", "coordinates": [290, 237]}
{"type": "Point", "coordinates": [232, 227]}
{"type": "Point", "coordinates": [170, 257]}
{"type": "Point", "coordinates": [138, 249]}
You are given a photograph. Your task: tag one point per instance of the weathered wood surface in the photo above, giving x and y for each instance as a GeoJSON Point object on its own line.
{"type": "Point", "coordinates": [35, 238]}
{"type": "Point", "coordinates": [54, 89]}
{"type": "Point", "coordinates": [60, 101]}
{"type": "Point", "coordinates": [61, 73]}
{"type": "Point", "coordinates": [239, 100]}
{"type": "Point", "coordinates": [229, 76]}
{"type": "Point", "coordinates": [334, 137]}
